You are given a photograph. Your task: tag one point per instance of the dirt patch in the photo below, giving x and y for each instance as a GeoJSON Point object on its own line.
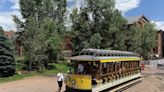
{"type": "Point", "coordinates": [31, 84]}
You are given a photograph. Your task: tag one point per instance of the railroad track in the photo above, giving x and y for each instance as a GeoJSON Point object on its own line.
{"type": "Point", "coordinates": [125, 85]}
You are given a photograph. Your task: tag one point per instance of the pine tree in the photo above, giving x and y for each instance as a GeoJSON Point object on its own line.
{"type": "Point", "coordinates": [7, 62]}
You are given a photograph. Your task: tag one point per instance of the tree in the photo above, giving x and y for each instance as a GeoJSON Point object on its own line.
{"type": "Point", "coordinates": [7, 62]}
{"type": "Point", "coordinates": [99, 25]}
{"type": "Point", "coordinates": [43, 30]}
{"type": "Point", "coordinates": [95, 40]}
{"type": "Point", "coordinates": [43, 45]}
{"type": "Point", "coordinates": [100, 19]}
{"type": "Point", "coordinates": [132, 39]}
{"type": "Point", "coordinates": [148, 40]}
{"type": "Point", "coordinates": [81, 32]}
{"type": "Point", "coordinates": [141, 40]}
{"type": "Point", "coordinates": [39, 9]}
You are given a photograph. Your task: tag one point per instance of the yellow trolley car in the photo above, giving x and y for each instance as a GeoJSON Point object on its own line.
{"type": "Point", "coordinates": [96, 70]}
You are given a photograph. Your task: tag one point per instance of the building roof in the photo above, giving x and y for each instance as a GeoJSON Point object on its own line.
{"type": "Point", "coordinates": [132, 20]}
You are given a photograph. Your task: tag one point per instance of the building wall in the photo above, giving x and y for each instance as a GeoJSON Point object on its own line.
{"type": "Point", "coordinates": [159, 51]}
{"type": "Point", "coordinates": [9, 34]}
{"type": "Point", "coordinates": [160, 44]}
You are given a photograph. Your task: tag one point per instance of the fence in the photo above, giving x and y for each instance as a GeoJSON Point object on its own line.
{"type": "Point", "coordinates": [154, 62]}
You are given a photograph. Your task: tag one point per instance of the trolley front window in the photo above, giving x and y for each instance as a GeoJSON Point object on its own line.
{"type": "Point", "coordinates": [82, 67]}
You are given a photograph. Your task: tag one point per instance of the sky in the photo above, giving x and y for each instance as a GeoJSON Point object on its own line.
{"type": "Point", "coordinates": [152, 9]}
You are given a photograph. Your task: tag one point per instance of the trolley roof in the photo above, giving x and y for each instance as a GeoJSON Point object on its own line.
{"type": "Point", "coordinates": [105, 55]}
{"type": "Point", "coordinates": [114, 52]}
{"type": "Point", "coordinates": [103, 59]}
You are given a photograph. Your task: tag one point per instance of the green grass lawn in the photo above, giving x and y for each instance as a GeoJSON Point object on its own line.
{"type": "Point", "coordinates": [55, 68]}
{"type": "Point", "coordinates": [16, 77]}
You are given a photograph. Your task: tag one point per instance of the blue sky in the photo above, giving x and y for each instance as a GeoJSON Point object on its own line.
{"type": "Point", "coordinates": [152, 9]}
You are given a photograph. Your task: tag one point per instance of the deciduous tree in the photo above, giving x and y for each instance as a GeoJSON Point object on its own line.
{"type": "Point", "coordinates": [43, 29]}
{"type": "Point", "coordinates": [100, 19]}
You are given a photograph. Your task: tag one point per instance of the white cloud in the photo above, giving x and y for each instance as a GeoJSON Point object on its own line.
{"type": "Point", "coordinates": [15, 7]}
{"type": "Point", "coordinates": [6, 20]}
{"type": "Point", "coordinates": [159, 24]}
{"type": "Point", "coordinates": [77, 4]}
{"type": "Point", "coordinates": [122, 5]}
{"type": "Point", "coordinates": [70, 0]}
{"type": "Point", "coordinates": [15, 4]}
{"type": "Point", "coordinates": [126, 5]}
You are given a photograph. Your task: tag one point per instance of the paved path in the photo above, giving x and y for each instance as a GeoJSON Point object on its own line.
{"type": "Point", "coordinates": [153, 81]}
{"type": "Point", "coordinates": [31, 84]}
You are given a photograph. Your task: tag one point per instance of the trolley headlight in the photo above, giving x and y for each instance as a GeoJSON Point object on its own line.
{"type": "Point", "coordinates": [73, 82]}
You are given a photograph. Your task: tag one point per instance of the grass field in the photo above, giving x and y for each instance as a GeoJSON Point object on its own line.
{"type": "Point", "coordinates": [54, 69]}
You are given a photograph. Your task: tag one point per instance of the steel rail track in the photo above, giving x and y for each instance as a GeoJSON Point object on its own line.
{"type": "Point", "coordinates": [125, 85]}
